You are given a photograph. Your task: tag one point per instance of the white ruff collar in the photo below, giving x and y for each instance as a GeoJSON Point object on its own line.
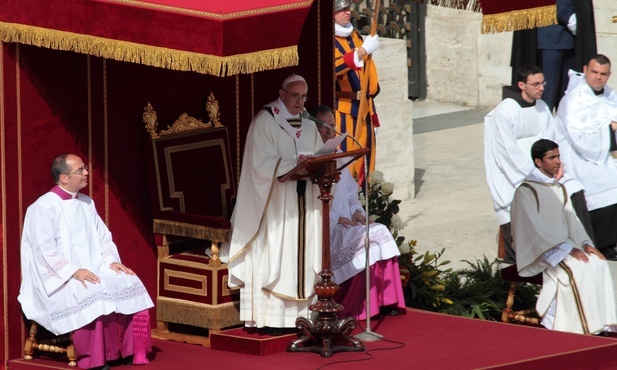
{"type": "Point", "coordinates": [539, 176]}
{"type": "Point", "coordinates": [343, 31]}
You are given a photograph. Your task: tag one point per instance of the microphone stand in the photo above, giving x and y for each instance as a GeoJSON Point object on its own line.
{"type": "Point", "coordinates": [367, 335]}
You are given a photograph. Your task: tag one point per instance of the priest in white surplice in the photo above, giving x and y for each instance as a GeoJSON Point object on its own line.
{"type": "Point", "coordinates": [72, 277]}
{"type": "Point", "coordinates": [275, 249]}
{"type": "Point", "coordinates": [509, 130]}
{"type": "Point", "coordinates": [588, 117]}
{"type": "Point", "coordinates": [577, 290]}
{"type": "Point", "coordinates": [347, 246]}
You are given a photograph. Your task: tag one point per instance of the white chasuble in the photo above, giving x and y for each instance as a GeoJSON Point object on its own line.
{"type": "Point", "coordinates": [275, 249]}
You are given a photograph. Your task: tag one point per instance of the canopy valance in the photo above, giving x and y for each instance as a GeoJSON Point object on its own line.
{"type": "Point", "coordinates": [508, 15]}
{"type": "Point", "coordinates": [217, 37]}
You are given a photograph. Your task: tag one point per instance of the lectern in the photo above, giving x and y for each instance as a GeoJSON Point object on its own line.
{"type": "Point", "coordinates": [325, 334]}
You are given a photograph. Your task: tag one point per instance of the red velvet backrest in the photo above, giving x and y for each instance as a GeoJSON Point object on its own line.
{"type": "Point", "coordinates": [191, 172]}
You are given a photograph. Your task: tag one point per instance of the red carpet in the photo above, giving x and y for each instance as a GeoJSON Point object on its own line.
{"type": "Point", "coordinates": [418, 340]}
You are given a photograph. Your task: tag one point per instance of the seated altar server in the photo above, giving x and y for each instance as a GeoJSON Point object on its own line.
{"type": "Point", "coordinates": [577, 289]}
{"type": "Point", "coordinates": [72, 277]}
{"type": "Point", "coordinates": [347, 248]}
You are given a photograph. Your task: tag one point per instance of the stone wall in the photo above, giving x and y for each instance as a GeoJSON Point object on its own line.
{"type": "Point", "coordinates": [394, 155]}
{"type": "Point", "coordinates": [462, 65]}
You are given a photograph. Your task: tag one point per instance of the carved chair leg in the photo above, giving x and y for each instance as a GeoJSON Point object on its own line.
{"type": "Point", "coordinates": [506, 314]}
{"type": "Point", "coordinates": [30, 341]}
{"type": "Point", "coordinates": [54, 345]}
{"type": "Point", "coordinates": [215, 261]}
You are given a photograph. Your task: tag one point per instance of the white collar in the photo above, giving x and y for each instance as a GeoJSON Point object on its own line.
{"type": "Point", "coordinates": [73, 195]}
{"type": "Point", "coordinates": [539, 176]}
{"type": "Point", "coordinates": [285, 111]}
{"type": "Point", "coordinates": [343, 31]}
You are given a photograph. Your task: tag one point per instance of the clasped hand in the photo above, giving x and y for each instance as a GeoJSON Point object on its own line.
{"type": "Point", "coordinates": [356, 219]}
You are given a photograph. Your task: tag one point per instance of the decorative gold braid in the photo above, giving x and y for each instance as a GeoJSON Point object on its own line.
{"type": "Point", "coordinates": [190, 231]}
{"type": "Point", "coordinates": [577, 298]}
{"type": "Point", "coordinates": [517, 20]}
{"type": "Point", "coordinates": [154, 56]}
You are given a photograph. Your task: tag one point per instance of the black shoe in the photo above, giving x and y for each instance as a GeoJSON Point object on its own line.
{"type": "Point", "coordinates": [275, 332]}
{"type": "Point", "coordinates": [388, 311]}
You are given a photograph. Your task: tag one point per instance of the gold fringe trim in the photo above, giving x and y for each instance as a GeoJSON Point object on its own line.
{"type": "Point", "coordinates": [190, 230]}
{"type": "Point", "coordinates": [197, 314]}
{"type": "Point", "coordinates": [153, 56]}
{"type": "Point", "coordinates": [520, 19]}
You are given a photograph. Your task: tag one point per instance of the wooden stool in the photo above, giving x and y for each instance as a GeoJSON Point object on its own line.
{"type": "Point", "coordinates": [60, 344]}
{"type": "Point", "coordinates": [527, 316]}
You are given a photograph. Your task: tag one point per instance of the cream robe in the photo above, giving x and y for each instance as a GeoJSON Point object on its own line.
{"type": "Point", "coordinates": [540, 225]}
{"type": "Point", "coordinates": [509, 132]}
{"type": "Point", "coordinates": [59, 237]}
{"type": "Point", "coordinates": [275, 277]}
{"type": "Point", "coordinates": [347, 247]}
{"type": "Point", "coordinates": [584, 119]}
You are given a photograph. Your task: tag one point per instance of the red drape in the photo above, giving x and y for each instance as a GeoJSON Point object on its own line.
{"type": "Point", "coordinates": [180, 35]}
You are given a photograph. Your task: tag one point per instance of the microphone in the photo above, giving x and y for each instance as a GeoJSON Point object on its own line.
{"type": "Point", "coordinates": [307, 115]}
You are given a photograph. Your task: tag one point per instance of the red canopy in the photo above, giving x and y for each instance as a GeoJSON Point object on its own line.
{"type": "Point", "coordinates": [218, 37]}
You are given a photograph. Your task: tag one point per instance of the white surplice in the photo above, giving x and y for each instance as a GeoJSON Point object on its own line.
{"type": "Point", "coordinates": [584, 118]}
{"type": "Point", "coordinates": [59, 237]}
{"type": "Point", "coordinates": [576, 296]}
{"type": "Point", "coordinates": [348, 256]}
{"type": "Point", "coordinates": [274, 254]}
{"type": "Point", "coordinates": [509, 132]}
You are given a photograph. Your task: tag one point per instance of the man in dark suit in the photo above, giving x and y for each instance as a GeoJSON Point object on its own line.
{"type": "Point", "coordinates": [558, 48]}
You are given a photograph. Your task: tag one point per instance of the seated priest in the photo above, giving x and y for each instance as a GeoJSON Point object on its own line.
{"type": "Point", "coordinates": [72, 277]}
{"type": "Point", "coordinates": [577, 289]}
{"type": "Point", "coordinates": [347, 246]}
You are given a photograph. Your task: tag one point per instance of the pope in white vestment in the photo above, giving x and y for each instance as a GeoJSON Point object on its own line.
{"type": "Point", "coordinates": [577, 292]}
{"type": "Point", "coordinates": [275, 249]}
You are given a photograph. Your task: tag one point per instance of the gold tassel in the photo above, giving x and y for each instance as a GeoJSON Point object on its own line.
{"type": "Point", "coordinates": [154, 56]}
{"type": "Point", "coordinates": [519, 19]}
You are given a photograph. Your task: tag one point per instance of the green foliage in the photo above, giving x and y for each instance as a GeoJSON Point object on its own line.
{"type": "Point", "coordinates": [479, 291]}
{"type": "Point", "coordinates": [424, 285]}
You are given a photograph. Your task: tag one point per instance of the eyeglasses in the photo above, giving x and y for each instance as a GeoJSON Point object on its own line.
{"type": "Point", "coordinates": [79, 171]}
{"type": "Point", "coordinates": [297, 97]}
{"type": "Point", "coordinates": [536, 84]}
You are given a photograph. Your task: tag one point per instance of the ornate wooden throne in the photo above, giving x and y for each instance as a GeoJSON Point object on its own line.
{"type": "Point", "coordinates": [192, 188]}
